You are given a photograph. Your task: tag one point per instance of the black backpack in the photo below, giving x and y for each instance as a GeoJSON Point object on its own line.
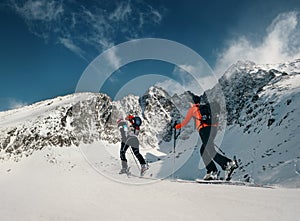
{"type": "Point", "coordinates": [210, 113]}
{"type": "Point", "coordinates": [205, 113]}
{"type": "Point", "coordinates": [136, 121]}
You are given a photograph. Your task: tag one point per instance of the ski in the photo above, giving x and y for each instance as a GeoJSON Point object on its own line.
{"type": "Point", "coordinates": [223, 182]}
{"type": "Point", "coordinates": [218, 181]}
{"type": "Point", "coordinates": [145, 177]}
{"type": "Point", "coordinates": [230, 182]}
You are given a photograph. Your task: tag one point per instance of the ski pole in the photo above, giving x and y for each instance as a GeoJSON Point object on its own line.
{"type": "Point", "coordinates": [133, 154]}
{"type": "Point", "coordinates": [134, 159]}
{"type": "Point", "coordinates": [176, 135]}
{"type": "Point", "coordinates": [219, 149]}
{"type": "Point", "coordinates": [174, 146]}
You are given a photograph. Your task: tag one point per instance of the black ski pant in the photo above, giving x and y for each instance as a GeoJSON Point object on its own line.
{"type": "Point", "coordinates": [135, 150]}
{"type": "Point", "coordinates": [208, 151]}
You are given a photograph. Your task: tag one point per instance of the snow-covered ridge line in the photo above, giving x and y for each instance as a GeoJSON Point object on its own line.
{"type": "Point", "coordinates": [288, 67]}
{"type": "Point", "coordinates": [16, 116]}
{"type": "Point", "coordinates": [82, 118]}
{"type": "Point", "coordinates": [263, 122]}
{"type": "Point", "coordinates": [245, 80]}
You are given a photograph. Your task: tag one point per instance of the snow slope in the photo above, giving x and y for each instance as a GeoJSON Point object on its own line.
{"type": "Point", "coordinates": [264, 121]}
{"type": "Point", "coordinates": [59, 158]}
{"type": "Point", "coordinates": [58, 184]}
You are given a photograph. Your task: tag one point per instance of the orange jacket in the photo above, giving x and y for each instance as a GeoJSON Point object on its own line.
{"type": "Point", "coordinates": [195, 113]}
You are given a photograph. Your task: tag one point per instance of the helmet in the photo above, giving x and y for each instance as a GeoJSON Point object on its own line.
{"type": "Point", "coordinates": [129, 117]}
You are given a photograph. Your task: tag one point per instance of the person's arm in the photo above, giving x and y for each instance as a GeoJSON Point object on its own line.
{"type": "Point", "coordinates": [187, 118]}
{"type": "Point", "coordinates": [122, 125]}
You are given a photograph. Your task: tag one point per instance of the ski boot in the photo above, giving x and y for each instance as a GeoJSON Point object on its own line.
{"type": "Point", "coordinates": [231, 166]}
{"type": "Point", "coordinates": [125, 168]}
{"type": "Point", "coordinates": [213, 175]}
{"type": "Point", "coordinates": [144, 167]}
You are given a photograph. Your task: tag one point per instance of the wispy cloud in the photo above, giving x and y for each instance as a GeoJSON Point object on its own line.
{"type": "Point", "coordinates": [68, 43]}
{"type": "Point", "coordinates": [154, 13]}
{"type": "Point", "coordinates": [39, 15]}
{"type": "Point", "coordinates": [86, 29]}
{"type": "Point", "coordinates": [172, 87]}
{"type": "Point", "coordinates": [14, 103]}
{"type": "Point", "coordinates": [280, 43]}
{"type": "Point", "coordinates": [113, 59]}
{"type": "Point", "coordinates": [39, 10]}
{"type": "Point", "coordinates": [184, 81]}
{"type": "Point", "coordinates": [122, 12]}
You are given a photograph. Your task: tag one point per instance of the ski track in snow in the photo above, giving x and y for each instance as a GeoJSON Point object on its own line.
{"type": "Point", "coordinates": [59, 184]}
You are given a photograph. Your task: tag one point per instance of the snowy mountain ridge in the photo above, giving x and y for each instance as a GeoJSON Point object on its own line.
{"type": "Point", "coordinates": [245, 80]}
{"type": "Point", "coordinates": [263, 123]}
{"type": "Point", "coordinates": [263, 117]}
{"type": "Point", "coordinates": [83, 118]}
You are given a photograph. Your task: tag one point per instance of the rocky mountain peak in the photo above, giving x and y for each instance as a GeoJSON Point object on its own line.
{"type": "Point", "coordinates": [262, 117]}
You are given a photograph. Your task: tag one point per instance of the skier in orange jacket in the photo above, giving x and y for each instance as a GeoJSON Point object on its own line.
{"type": "Point", "coordinates": [207, 134]}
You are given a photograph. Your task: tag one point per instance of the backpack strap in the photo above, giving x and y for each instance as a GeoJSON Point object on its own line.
{"type": "Point", "coordinates": [199, 118]}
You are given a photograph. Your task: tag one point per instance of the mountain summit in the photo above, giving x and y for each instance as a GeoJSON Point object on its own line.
{"type": "Point", "coordinates": [263, 120]}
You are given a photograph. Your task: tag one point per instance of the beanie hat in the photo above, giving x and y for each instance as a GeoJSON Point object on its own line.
{"type": "Point", "coordinates": [196, 99]}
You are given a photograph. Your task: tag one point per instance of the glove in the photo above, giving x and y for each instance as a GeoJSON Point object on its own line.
{"type": "Point", "coordinates": [177, 126]}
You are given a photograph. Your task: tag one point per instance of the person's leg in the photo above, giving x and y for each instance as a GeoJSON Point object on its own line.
{"type": "Point", "coordinates": [208, 134]}
{"type": "Point", "coordinates": [124, 164]}
{"type": "Point", "coordinates": [138, 155]}
{"type": "Point", "coordinates": [221, 160]}
{"type": "Point", "coordinates": [134, 143]}
{"type": "Point", "coordinates": [141, 159]}
{"type": "Point", "coordinates": [207, 151]}
{"type": "Point", "coordinates": [123, 150]}
{"type": "Point", "coordinates": [217, 157]}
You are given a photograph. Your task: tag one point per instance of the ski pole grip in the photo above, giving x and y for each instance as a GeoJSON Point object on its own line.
{"type": "Point", "coordinates": [175, 123]}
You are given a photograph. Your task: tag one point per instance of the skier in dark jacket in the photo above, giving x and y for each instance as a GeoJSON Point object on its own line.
{"type": "Point", "coordinates": [129, 139]}
{"type": "Point", "coordinates": [208, 152]}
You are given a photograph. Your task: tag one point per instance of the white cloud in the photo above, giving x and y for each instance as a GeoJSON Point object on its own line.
{"type": "Point", "coordinates": [113, 59]}
{"type": "Point", "coordinates": [172, 87]}
{"type": "Point", "coordinates": [281, 43]}
{"type": "Point", "coordinates": [181, 74]}
{"type": "Point", "coordinates": [156, 15]}
{"type": "Point", "coordinates": [184, 67]}
{"type": "Point", "coordinates": [122, 12]}
{"type": "Point", "coordinates": [86, 29]}
{"type": "Point", "coordinates": [39, 9]}
{"type": "Point", "coordinates": [184, 81]}
{"type": "Point", "coordinates": [197, 78]}
{"type": "Point", "coordinates": [68, 43]}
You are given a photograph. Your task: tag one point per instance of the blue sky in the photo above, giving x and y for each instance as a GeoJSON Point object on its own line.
{"type": "Point", "coordinates": [45, 45]}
